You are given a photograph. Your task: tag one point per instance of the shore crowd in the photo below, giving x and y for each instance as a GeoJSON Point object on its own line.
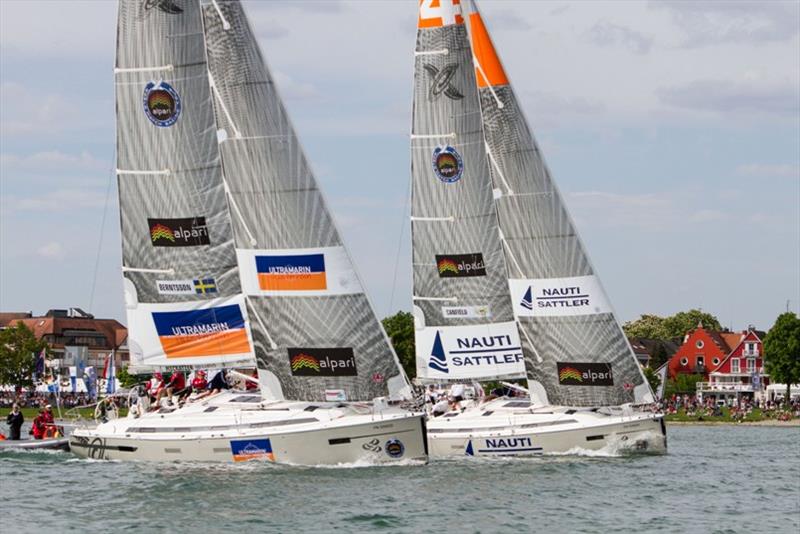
{"type": "Point", "coordinates": [739, 409]}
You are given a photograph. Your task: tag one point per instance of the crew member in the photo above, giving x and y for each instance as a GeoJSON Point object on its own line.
{"type": "Point", "coordinates": [14, 421]}
{"type": "Point", "coordinates": [456, 396]}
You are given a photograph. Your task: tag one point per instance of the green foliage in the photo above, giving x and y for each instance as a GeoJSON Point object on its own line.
{"type": "Point", "coordinates": [677, 325]}
{"type": "Point", "coordinates": [652, 377]}
{"type": "Point", "coordinates": [125, 379]}
{"type": "Point", "coordinates": [682, 384]}
{"type": "Point", "coordinates": [646, 326]}
{"type": "Point", "coordinates": [18, 350]}
{"type": "Point", "coordinates": [400, 329]}
{"type": "Point", "coordinates": [666, 328]}
{"type": "Point", "coordinates": [782, 351]}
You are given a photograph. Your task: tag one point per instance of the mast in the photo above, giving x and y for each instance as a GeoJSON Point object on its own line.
{"type": "Point", "coordinates": [316, 335]}
{"type": "Point", "coordinates": [575, 350]}
{"type": "Point", "coordinates": [464, 322]}
{"type": "Point", "coordinates": [183, 298]}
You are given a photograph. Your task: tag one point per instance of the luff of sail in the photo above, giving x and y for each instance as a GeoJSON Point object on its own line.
{"type": "Point", "coordinates": [183, 297]}
{"type": "Point", "coordinates": [576, 353]}
{"type": "Point", "coordinates": [315, 333]}
{"type": "Point", "coordinates": [464, 323]}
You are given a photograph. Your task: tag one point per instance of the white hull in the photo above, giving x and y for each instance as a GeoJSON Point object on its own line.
{"type": "Point", "coordinates": [236, 427]}
{"type": "Point", "coordinates": [506, 427]}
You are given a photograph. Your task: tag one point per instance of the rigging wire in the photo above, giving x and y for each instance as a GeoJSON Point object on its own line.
{"type": "Point", "coordinates": [399, 247]}
{"type": "Point", "coordinates": [111, 173]}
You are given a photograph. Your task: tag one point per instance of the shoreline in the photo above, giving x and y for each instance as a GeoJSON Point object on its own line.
{"type": "Point", "coordinates": [794, 423]}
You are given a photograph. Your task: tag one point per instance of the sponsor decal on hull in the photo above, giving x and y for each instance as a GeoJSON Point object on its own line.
{"type": "Point", "coordinates": [502, 445]}
{"type": "Point", "coordinates": [252, 449]}
{"type": "Point", "coordinates": [469, 351]}
{"type": "Point", "coordinates": [322, 361]}
{"type": "Point", "coordinates": [460, 265]}
{"type": "Point", "coordinates": [335, 395]}
{"type": "Point", "coordinates": [584, 374]}
{"type": "Point", "coordinates": [186, 232]}
{"type": "Point", "coordinates": [207, 332]}
{"type": "Point", "coordinates": [554, 297]}
{"type": "Point", "coordinates": [161, 103]}
{"type": "Point", "coordinates": [394, 448]}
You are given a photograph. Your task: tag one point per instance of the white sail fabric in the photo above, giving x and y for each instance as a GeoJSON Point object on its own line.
{"type": "Point", "coordinates": [182, 290]}
{"type": "Point", "coordinates": [576, 353]}
{"type": "Point", "coordinates": [464, 323]}
{"type": "Point", "coordinates": [313, 327]}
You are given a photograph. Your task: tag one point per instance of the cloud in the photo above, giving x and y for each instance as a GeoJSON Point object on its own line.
{"type": "Point", "coordinates": [51, 250]}
{"type": "Point", "coordinates": [27, 111]}
{"type": "Point", "coordinates": [292, 89]}
{"type": "Point", "coordinates": [608, 34]}
{"type": "Point", "coordinates": [51, 160]}
{"type": "Point", "coordinates": [710, 22]}
{"type": "Point", "coordinates": [766, 169]}
{"type": "Point", "coordinates": [56, 201]}
{"type": "Point", "coordinates": [509, 21]}
{"type": "Point", "coordinates": [725, 97]}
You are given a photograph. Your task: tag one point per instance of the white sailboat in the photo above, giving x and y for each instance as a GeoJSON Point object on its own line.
{"type": "Point", "coordinates": [231, 258]}
{"type": "Point", "coordinates": [503, 287]}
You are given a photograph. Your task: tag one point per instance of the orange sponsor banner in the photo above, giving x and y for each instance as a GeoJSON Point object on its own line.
{"type": "Point", "coordinates": [231, 342]}
{"type": "Point", "coordinates": [292, 282]}
{"type": "Point", "coordinates": [439, 13]}
{"type": "Point", "coordinates": [482, 47]}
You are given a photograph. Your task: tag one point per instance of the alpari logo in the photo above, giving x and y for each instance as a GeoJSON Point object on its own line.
{"type": "Point", "coordinates": [159, 231]}
{"type": "Point", "coordinates": [438, 361]}
{"type": "Point", "coordinates": [584, 374]}
{"type": "Point", "coordinates": [460, 265]}
{"type": "Point", "coordinates": [162, 104]}
{"type": "Point", "coordinates": [322, 362]}
{"type": "Point", "coordinates": [304, 361]}
{"type": "Point", "coordinates": [569, 373]}
{"type": "Point", "coordinates": [441, 82]}
{"type": "Point", "coordinates": [167, 6]}
{"type": "Point", "coordinates": [188, 232]}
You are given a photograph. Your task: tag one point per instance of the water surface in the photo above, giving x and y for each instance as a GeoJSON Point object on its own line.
{"type": "Point", "coordinates": [714, 479]}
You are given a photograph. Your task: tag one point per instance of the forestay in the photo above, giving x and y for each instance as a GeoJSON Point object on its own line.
{"type": "Point", "coordinates": [576, 354]}
{"type": "Point", "coordinates": [316, 335]}
{"type": "Point", "coordinates": [183, 297]}
{"type": "Point", "coordinates": [464, 323]}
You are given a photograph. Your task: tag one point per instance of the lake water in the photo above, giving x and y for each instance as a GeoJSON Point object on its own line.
{"type": "Point", "coordinates": [714, 479]}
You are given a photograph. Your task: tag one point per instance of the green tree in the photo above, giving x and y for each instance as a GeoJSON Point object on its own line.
{"type": "Point", "coordinates": [782, 351]}
{"type": "Point", "coordinates": [677, 325]}
{"type": "Point", "coordinates": [647, 326]}
{"type": "Point", "coordinates": [682, 384]}
{"type": "Point", "coordinates": [400, 329]}
{"type": "Point", "coordinates": [125, 379]}
{"type": "Point", "coordinates": [652, 377]}
{"type": "Point", "coordinates": [18, 350]}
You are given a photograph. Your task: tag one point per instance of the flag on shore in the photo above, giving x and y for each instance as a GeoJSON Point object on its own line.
{"type": "Point", "coordinates": [40, 364]}
{"type": "Point", "coordinates": [109, 373]}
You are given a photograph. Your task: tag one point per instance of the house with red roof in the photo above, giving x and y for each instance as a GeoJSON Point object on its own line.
{"type": "Point", "coordinates": [731, 363]}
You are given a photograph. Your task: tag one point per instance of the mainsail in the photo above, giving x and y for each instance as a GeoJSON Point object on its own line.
{"type": "Point", "coordinates": [575, 351]}
{"type": "Point", "coordinates": [315, 333]}
{"type": "Point", "coordinates": [183, 297]}
{"type": "Point", "coordinates": [463, 313]}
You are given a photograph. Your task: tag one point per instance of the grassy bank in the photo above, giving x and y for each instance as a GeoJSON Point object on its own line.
{"type": "Point", "coordinates": [30, 413]}
{"type": "Point", "coordinates": [726, 417]}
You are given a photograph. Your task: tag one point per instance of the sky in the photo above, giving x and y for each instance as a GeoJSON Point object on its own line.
{"type": "Point", "coordinates": [672, 129]}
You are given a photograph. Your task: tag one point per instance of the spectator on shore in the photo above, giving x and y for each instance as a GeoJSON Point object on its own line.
{"type": "Point", "coordinates": [14, 421]}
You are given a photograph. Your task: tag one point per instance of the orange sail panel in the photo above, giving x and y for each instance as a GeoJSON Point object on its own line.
{"type": "Point", "coordinates": [482, 47]}
{"type": "Point", "coordinates": [438, 13]}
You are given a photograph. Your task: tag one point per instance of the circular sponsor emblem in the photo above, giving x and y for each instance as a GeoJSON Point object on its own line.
{"type": "Point", "coordinates": [447, 164]}
{"type": "Point", "coordinates": [162, 105]}
{"type": "Point", "coordinates": [395, 448]}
